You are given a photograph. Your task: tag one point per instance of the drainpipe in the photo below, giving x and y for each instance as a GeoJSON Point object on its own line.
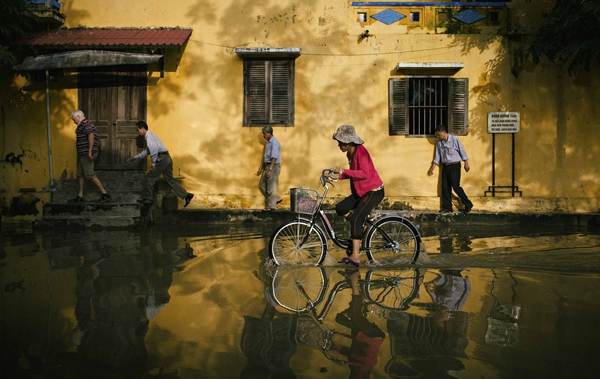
{"type": "Point", "coordinates": [49, 131]}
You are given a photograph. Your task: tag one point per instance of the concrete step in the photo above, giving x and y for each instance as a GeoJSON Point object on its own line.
{"type": "Point", "coordinates": [87, 214]}
{"type": "Point", "coordinates": [66, 197]}
{"type": "Point", "coordinates": [124, 186]}
{"type": "Point", "coordinates": [80, 222]}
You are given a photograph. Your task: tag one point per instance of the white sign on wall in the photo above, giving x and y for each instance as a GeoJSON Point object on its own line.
{"type": "Point", "coordinates": [504, 122]}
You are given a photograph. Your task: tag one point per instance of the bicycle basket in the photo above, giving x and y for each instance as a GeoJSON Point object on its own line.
{"type": "Point", "coordinates": [304, 200]}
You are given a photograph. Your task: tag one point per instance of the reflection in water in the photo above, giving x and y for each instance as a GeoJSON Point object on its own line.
{"type": "Point", "coordinates": [357, 344]}
{"type": "Point", "coordinates": [269, 344]}
{"type": "Point", "coordinates": [449, 289]}
{"type": "Point", "coordinates": [122, 281]}
{"type": "Point", "coordinates": [426, 337]}
{"type": "Point", "coordinates": [367, 337]}
{"type": "Point", "coordinates": [116, 297]}
{"type": "Point", "coordinates": [132, 305]}
{"type": "Point", "coordinates": [503, 328]}
{"type": "Point", "coordinates": [431, 344]}
{"type": "Point", "coordinates": [454, 243]}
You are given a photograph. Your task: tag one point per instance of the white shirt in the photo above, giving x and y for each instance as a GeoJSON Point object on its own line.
{"type": "Point", "coordinates": [153, 147]}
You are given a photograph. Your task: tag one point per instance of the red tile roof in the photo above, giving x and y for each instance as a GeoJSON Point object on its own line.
{"type": "Point", "coordinates": [110, 37]}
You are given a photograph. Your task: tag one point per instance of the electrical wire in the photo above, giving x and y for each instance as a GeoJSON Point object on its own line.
{"type": "Point", "coordinates": [335, 54]}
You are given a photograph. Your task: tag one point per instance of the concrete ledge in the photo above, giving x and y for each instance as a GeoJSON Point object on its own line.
{"type": "Point", "coordinates": [123, 216]}
{"type": "Point", "coordinates": [78, 222]}
{"type": "Point", "coordinates": [209, 216]}
{"type": "Point", "coordinates": [499, 204]}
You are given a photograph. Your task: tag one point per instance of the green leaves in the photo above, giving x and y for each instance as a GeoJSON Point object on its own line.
{"type": "Point", "coordinates": [570, 35]}
{"type": "Point", "coordinates": [15, 21]}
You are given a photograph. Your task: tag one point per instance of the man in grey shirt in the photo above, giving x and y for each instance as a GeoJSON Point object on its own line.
{"type": "Point", "coordinates": [270, 169]}
{"type": "Point", "coordinates": [449, 153]}
{"type": "Point", "coordinates": [162, 164]}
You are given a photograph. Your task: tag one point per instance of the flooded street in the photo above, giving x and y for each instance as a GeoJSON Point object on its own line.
{"type": "Point", "coordinates": [481, 303]}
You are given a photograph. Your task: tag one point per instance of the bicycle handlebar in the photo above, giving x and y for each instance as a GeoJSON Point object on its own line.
{"type": "Point", "coordinates": [328, 176]}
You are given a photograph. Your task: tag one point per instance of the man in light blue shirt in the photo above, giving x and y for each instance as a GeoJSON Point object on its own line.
{"type": "Point", "coordinates": [449, 153]}
{"type": "Point", "coordinates": [162, 164]}
{"type": "Point", "coordinates": [270, 169]}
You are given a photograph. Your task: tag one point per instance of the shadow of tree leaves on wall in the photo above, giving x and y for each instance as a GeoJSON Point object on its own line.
{"type": "Point", "coordinates": [322, 103]}
{"type": "Point", "coordinates": [552, 156]}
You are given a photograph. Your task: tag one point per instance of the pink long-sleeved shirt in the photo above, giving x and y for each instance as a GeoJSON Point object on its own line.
{"type": "Point", "coordinates": [362, 173]}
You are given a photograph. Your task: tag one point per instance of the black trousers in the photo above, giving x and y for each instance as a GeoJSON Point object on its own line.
{"type": "Point", "coordinates": [361, 207]}
{"type": "Point", "coordinates": [164, 167]}
{"type": "Point", "coordinates": [451, 181]}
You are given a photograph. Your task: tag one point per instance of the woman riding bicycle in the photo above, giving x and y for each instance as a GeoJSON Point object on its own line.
{"type": "Point", "coordinates": [365, 183]}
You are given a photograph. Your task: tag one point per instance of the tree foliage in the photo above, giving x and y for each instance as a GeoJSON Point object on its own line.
{"type": "Point", "coordinates": [16, 20]}
{"type": "Point", "coordinates": [570, 35]}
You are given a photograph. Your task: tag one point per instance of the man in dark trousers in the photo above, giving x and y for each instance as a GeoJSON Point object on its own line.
{"type": "Point", "coordinates": [162, 164]}
{"type": "Point", "coordinates": [449, 153]}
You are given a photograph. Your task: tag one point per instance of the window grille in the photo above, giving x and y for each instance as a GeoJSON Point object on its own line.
{"type": "Point", "coordinates": [417, 105]}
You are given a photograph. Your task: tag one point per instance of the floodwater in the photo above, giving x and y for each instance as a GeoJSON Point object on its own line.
{"type": "Point", "coordinates": [482, 303]}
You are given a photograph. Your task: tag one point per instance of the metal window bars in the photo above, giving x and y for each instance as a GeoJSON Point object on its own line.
{"type": "Point", "coordinates": [428, 105]}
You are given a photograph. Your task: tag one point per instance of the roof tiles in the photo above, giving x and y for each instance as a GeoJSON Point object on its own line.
{"type": "Point", "coordinates": [109, 37]}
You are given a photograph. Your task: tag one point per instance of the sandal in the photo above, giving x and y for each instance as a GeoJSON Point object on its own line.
{"type": "Point", "coordinates": [348, 261]}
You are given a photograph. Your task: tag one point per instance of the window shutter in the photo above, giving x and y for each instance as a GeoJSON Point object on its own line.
{"type": "Point", "coordinates": [282, 92]}
{"type": "Point", "coordinates": [458, 106]}
{"type": "Point", "coordinates": [398, 106]}
{"type": "Point", "coordinates": [255, 87]}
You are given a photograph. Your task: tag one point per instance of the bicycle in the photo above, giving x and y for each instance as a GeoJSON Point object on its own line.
{"type": "Point", "coordinates": [299, 290]}
{"type": "Point", "coordinates": [302, 289]}
{"type": "Point", "coordinates": [387, 238]}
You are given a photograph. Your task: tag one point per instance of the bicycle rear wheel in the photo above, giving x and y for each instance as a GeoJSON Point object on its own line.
{"type": "Point", "coordinates": [392, 289]}
{"type": "Point", "coordinates": [298, 289]}
{"type": "Point", "coordinates": [298, 243]}
{"type": "Point", "coordinates": [393, 240]}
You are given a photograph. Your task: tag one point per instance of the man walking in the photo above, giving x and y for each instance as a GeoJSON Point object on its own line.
{"type": "Point", "coordinates": [449, 153]}
{"type": "Point", "coordinates": [86, 145]}
{"type": "Point", "coordinates": [270, 169]}
{"type": "Point", "coordinates": [162, 164]}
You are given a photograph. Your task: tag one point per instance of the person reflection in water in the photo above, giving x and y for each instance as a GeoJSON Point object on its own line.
{"type": "Point", "coordinates": [449, 290]}
{"type": "Point", "coordinates": [432, 346]}
{"type": "Point", "coordinates": [122, 284]}
{"type": "Point", "coordinates": [367, 337]}
{"type": "Point", "coordinates": [111, 316]}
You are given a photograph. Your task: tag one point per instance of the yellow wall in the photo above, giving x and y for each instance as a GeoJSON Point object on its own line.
{"type": "Point", "coordinates": [197, 110]}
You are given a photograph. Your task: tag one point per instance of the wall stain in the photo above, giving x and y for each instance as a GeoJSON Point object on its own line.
{"type": "Point", "coordinates": [13, 158]}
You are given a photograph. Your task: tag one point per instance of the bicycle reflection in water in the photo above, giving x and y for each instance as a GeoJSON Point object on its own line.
{"type": "Point", "coordinates": [421, 332]}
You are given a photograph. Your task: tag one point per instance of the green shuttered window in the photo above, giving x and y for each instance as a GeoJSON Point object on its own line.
{"type": "Point", "coordinates": [418, 105]}
{"type": "Point", "coordinates": [268, 92]}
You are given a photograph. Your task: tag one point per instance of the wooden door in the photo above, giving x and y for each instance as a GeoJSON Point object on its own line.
{"type": "Point", "coordinates": [114, 102]}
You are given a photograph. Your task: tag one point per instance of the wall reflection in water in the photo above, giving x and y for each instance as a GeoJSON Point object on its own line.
{"type": "Point", "coordinates": [119, 281]}
{"type": "Point", "coordinates": [136, 305]}
{"type": "Point", "coordinates": [348, 316]}
{"type": "Point", "coordinates": [117, 295]}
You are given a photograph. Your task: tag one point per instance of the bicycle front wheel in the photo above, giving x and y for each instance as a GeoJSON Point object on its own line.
{"type": "Point", "coordinates": [297, 289]}
{"type": "Point", "coordinates": [298, 243]}
{"type": "Point", "coordinates": [393, 240]}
